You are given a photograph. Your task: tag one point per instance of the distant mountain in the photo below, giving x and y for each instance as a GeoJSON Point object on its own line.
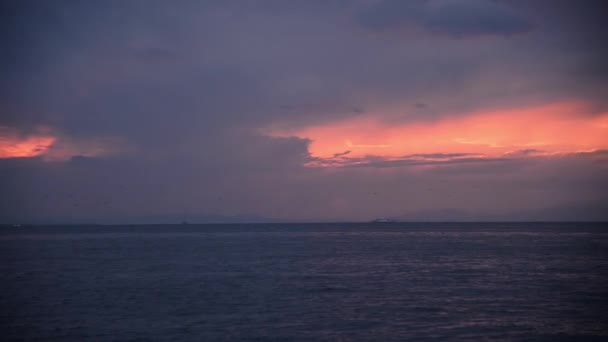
{"type": "Point", "coordinates": [597, 211]}
{"type": "Point", "coordinates": [161, 219]}
{"type": "Point", "coordinates": [194, 219]}
{"type": "Point", "coordinates": [441, 215]}
{"type": "Point", "coordinates": [574, 212]}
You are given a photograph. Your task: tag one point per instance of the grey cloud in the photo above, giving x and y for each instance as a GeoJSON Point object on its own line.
{"type": "Point", "coordinates": [441, 155]}
{"type": "Point", "coordinates": [341, 154]}
{"type": "Point", "coordinates": [226, 181]}
{"type": "Point", "coordinates": [457, 18]}
{"type": "Point", "coordinates": [415, 162]}
{"type": "Point", "coordinates": [376, 161]}
{"type": "Point", "coordinates": [110, 66]}
{"type": "Point", "coordinates": [516, 158]}
{"type": "Point", "coordinates": [475, 17]}
{"type": "Point", "coordinates": [525, 152]}
{"type": "Point", "coordinates": [125, 189]}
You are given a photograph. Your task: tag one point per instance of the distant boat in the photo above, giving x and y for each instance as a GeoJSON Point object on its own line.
{"type": "Point", "coordinates": [383, 220]}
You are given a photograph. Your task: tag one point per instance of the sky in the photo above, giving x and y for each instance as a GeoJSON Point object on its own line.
{"type": "Point", "coordinates": [133, 111]}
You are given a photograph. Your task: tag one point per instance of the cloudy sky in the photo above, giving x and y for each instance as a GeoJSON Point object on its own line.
{"type": "Point", "coordinates": [313, 110]}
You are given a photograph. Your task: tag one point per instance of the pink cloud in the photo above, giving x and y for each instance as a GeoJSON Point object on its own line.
{"type": "Point", "coordinates": [551, 129]}
{"type": "Point", "coordinates": [51, 146]}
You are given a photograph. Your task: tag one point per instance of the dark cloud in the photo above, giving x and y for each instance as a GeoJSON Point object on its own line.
{"type": "Point", "coordinates": [385, 162]}
{"type": "Point", "coordinates": [526, 152]}
{"type": "Point", "coordinates": [441, 155]}
{"type": "Point", "coordinates": [426, 159]}
{"type": "Point", "coordinates": [341, 154]}
{"type": "Point", "coordinates": [457, 18]}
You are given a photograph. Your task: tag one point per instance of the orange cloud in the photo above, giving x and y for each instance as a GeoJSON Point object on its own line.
{"type": "Point", "coordinates": [50, 147]}
{"type": "Point", "coordinates": [553, 129]}
{"type": "Point", "coordinates": [13, 145]}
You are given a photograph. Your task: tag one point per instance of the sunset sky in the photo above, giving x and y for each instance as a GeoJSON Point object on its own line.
{"type": "Point", "coordinates": [161, 111]}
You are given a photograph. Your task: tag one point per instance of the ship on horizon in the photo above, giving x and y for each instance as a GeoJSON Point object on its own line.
{"type": "Point", "coordinates": [383, 220]}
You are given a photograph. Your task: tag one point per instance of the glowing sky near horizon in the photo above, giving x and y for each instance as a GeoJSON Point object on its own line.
{"type": "Point", "coordinates": [548, 129]}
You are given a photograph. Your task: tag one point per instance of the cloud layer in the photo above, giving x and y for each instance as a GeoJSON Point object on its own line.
{"type": "Point", "coordinates": [457, 18]}
{"type": "Point", "coordinates": [299, 110]}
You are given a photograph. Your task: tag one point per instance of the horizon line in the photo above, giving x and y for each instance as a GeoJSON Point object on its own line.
{"type": "Point", "coordinates": [295, 222]}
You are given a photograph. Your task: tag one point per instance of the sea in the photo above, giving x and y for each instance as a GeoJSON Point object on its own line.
{"type": "Point", "coordinates": [305, 282]}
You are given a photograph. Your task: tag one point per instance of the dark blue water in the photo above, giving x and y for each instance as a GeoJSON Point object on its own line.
{"type": "Point", "coordinates": [416, 282]}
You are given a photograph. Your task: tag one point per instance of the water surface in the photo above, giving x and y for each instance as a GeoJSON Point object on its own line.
{"type": "Point", "coordinates": [280, 282]}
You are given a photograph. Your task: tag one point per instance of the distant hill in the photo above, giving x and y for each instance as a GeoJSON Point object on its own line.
{"type": "Point", "coordinates": [575, 212]}
{"type": "Point", "coordinates": [194, 219]}
{"type": "Point", "coordinates": [161, 219]}
{"type": "Point", "coordinates": [441, 215]}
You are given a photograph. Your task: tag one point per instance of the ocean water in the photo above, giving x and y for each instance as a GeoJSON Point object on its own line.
{"type": "Point", "coordinates": [313, 282]}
